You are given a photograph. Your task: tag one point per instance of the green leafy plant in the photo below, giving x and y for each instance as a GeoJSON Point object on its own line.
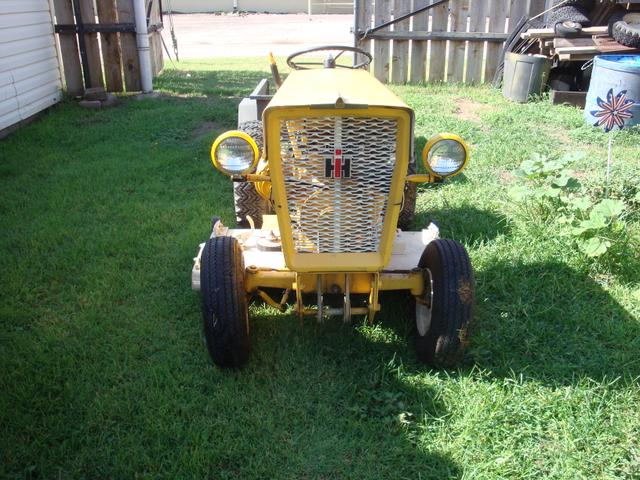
{"type": "Point", "coordinates": [549, 186]}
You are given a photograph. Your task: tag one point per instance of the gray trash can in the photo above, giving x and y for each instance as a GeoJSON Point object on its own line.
{"type": "Point", "coordinates": [524, 75]}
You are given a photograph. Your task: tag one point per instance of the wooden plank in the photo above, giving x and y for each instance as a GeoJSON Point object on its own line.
{"type": "Point", "coordinates": [107, 13]}
{"type": "Point", "coordinates": [602, 12]}
{"type": "Point", "coordinates": [129, 48]}
{"type": "Point", "coordinates": [400, 57]}
{"type": "Point", "coordinates": [575, 57]}
{"type": "Point", "coordinates": [92, 45]}
{"type": "Point", "coordinates": [155, 41]}
{"type": "Point", "coordinates": [381, 48]}
{"type": "Point", "coordinates": [159, 52]}
{"type": "Point", "coordinates": [460, 36]}
{"type": "Point", "coordinates": [577, 49]}
{"type": "Point", "coordinates": [497, 15]}
{"type": "Point", "coordinates": [363, 22]}
{"type": "Point", "coordinates": [457, 49]}
{"type": "Point", "coordinates": [572, 42]}
{"type": "Point", "coordinates": [536, 7]}
{"type": "Point", "coordinates": [419, 48]}
{"type": "Point", "coordinates": [477, 23]}
{"type": "Point", "coordinates": [577, 99]}
{"type": "Point", "coordinates": [550, 33]}
{"type": "Point", "coordinates": [438, 49]}
{"type": "Point", "coordinates": [69, 49]}
{"type": "Point", "coordinates": [517, 9]}
{"type": "Point", "coordinates": [157, 58]}
{"type": "Point", "coordinates": [608, 45]}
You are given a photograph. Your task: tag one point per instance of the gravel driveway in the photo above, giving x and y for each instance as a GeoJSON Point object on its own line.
{"type": "Point", "coordinates": [210, 35]}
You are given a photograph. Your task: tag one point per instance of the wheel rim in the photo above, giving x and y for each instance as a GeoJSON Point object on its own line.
{"type": "Point", "coordinates": [424, 305]}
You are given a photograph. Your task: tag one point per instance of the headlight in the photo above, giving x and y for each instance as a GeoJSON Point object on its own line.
{"type": "Point", "coordinates": [234, 153]}
{"type": "Point", "coordinates": [445, 155]}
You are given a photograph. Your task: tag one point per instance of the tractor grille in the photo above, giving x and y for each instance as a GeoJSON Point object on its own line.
{"type": "Point", "coordinates": [337, 176]}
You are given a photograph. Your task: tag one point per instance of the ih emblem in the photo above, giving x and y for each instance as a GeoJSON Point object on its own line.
{"type": "Point", "coordinates": [338, 166]}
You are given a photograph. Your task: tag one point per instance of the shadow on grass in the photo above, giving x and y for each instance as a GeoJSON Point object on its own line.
{"type": "Point", "coordinates": [466, 224]}
{"type": "Point", "coordinates": [334, 396]}
{"type": "Point", "coordinates": [543, 321]}
{"type": "Point", "coordinates": [549, 322]}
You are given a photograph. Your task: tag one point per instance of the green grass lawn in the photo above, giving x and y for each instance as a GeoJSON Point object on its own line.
{"type": "Point", "coordinates": [104, 372]}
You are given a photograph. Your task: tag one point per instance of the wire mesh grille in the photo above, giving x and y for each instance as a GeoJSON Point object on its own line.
{"type": "Point", "coordinates": [345, 214]}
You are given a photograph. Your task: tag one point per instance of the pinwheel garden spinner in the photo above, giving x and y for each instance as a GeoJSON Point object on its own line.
{"type": "Point", "coordinates": [613, 112]}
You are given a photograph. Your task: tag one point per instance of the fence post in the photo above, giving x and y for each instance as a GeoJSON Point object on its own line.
{"type": "Point", "coordinates": [381, 47]}
{"type": "Point", "coordinates": [129, 48]}
{"type": "Point", "coordinates": [455, 67]}
{"type": "Point", "coordinates": [107, 13]}
{"type": "Point", "coordinates": [497, 15]}
{"type": "Point", "coordinates": [363, 9]}
{"type": "Point", "coordinates": [88, 15]}
{"type": "Point", "coordinates": [419, 48]}
{"type": "Point", "coordinates": [438, 51]}
{"type": "Point", "coordinates": [475, 50]}
{"type": "Point", "coordinates": [69, 49]}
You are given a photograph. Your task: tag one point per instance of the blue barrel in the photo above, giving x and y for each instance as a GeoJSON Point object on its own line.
{"type": "Point", "coordinates": [612, 75]}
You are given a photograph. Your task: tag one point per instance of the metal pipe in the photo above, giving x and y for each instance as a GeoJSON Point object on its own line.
{"type": "Point", "coordinates": [144, 52]}
{"type": "Point", "coordinates": [357, 7]}
{"type": "Point", "coordinates": [363, 34]}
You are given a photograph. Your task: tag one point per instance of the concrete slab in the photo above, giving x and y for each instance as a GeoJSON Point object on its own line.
{"type": "Point", "coordinates": [250, 35]}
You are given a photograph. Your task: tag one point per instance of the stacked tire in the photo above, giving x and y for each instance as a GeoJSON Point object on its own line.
{"type": "Point", "coordinates": [624, 27]}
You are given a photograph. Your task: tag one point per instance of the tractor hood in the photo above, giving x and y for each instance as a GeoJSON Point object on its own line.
{"type": "Point", "coordinates": [334, 88]}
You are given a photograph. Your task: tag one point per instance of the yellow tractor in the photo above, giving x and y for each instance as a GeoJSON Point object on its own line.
{"type": "Point", "coordinates": [333, 161]}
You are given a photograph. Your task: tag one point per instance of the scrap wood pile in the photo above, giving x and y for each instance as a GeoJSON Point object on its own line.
{"type": "Point", "coordinates": [570, 36]}
{"type": "Point", "coordinates": [589, 42]}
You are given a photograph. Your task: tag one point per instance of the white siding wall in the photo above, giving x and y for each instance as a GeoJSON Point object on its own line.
{"type": "Point", "coordinates": [29, 67]}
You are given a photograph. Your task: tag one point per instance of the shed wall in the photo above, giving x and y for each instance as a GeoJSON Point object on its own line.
{"type": "Point", "coordinates": [29, 67]}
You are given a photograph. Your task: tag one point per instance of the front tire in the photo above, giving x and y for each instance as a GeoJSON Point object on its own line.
{"type": "Point", "coordinates": [225, 310]}
{"type": "Point", "coordinates": [444, 312]}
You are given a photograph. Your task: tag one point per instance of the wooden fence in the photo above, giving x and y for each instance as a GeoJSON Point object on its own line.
{"type": "Point", "coordinates": [98, 46]}
{"type": "Point", "coordinates": [456, 41]}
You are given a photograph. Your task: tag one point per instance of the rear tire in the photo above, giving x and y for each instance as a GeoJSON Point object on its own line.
{"type": "Point", "coordinates": [568, 29]}
{"type": "Point", "coordinates": [627, 30]}
{"type": "Point", "coordinates": [575, 13]}
{"type": "Point", "coordinates": [225, 310]}
{"type": "Point", "coordinates": [445, 311]}
{"type": "Point", "coordinates": [246, 199]}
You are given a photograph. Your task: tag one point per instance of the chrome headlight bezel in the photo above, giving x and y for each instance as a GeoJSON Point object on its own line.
{"type": "Point", "coordinates": [247, 157]}
{"type": "Point", "coordinates": [443, 140]}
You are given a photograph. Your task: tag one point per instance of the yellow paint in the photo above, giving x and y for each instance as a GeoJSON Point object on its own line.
{"type": "Point", "coordinates": [326, 262]}
{"type": "Point", "coordinates": [444, 136]}
{"type": "Point", "coordinates": [323, 87]}
{"type": "Point", "coordinates": [419, 178]}
{"type": "Point", "coordinates": [360, 283]}
{"type": "Point", "coordinates": [239, 134]}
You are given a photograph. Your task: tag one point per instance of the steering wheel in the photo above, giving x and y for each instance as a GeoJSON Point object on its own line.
{"type": "Point", "coordinates": [330, 62]}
